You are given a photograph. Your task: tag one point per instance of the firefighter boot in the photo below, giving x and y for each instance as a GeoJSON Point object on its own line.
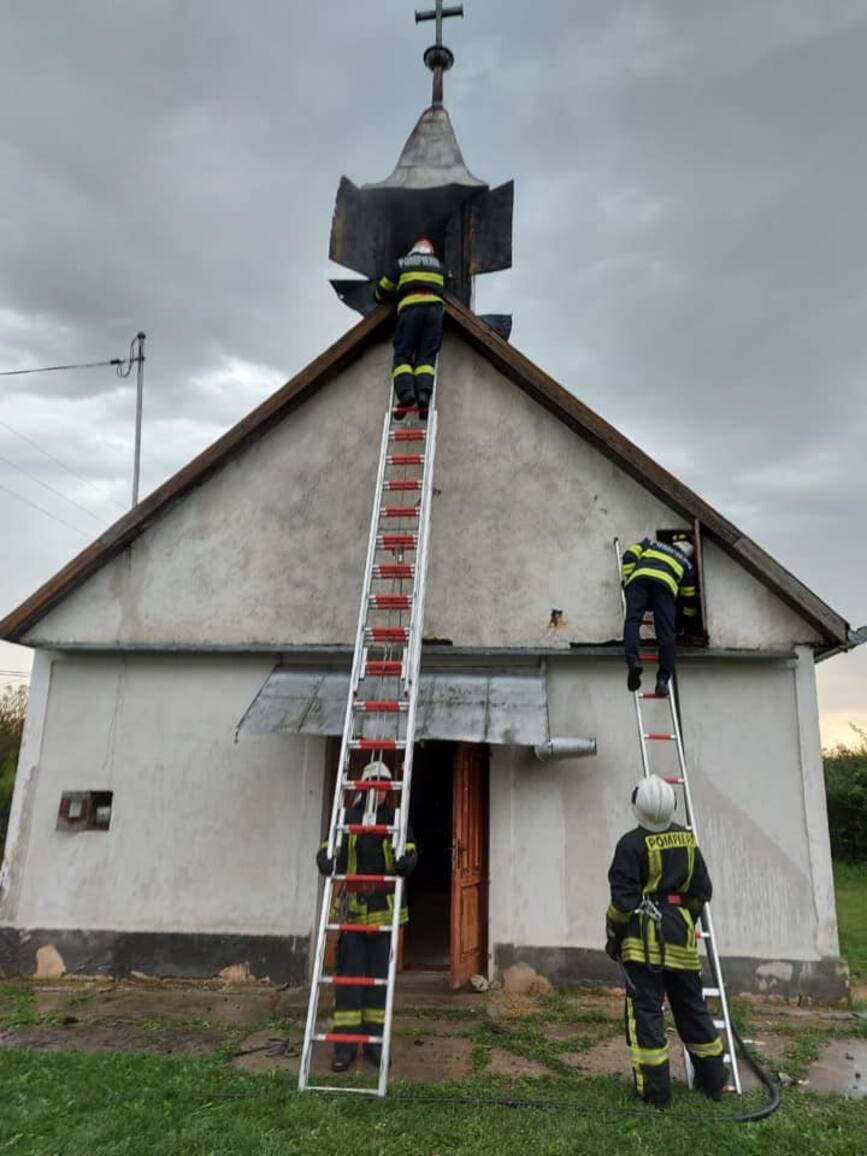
{"type": "Point", "coordinates": [633, 679]}
{"type": "Point", "coordinates": [343, 1056]}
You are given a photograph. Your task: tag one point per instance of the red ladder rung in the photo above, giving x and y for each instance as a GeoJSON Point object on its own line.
{"type": "Point", "coordinates": [397, 541]}
{"type": "Point", "coordinates": [408, 435]}
{"type": "Point", "coordinates": [372, 785]}
{"type": "Point", "coordinates": [367, 828]}
{"type": "Point", "coordinates": [674, 780]}
{"type": "Point", "coordinates": [647, 657]}
{"type": "Point", "coordinates": [347, 1038]}
{"type": "Point", "coordinates": [398, 485]}
{"type": "Point", "coordinates": [381, 705]}
{"type": "Point", "coordinates": [389, 633]}
{"type": "Point", "coordinates": [659, 735]}
{"type": "Point", "coordinates": [396, 570]}
{"type": "Point", "coordinates": [649, 694]}
{"type": "Point", "coordinates": [370, 928]}
{"type": "Point", "coordinates": [376, 744]}
{"type": "Point", "coordinates": [366, 878]}
{"type": "Point", "coordinates": [405, 459]}
{"type": "Point", "coordinates": [353, 981]}
{"type": "Point", "coordinates": [390, 601]}
{"type": "Point", "coordinates": [399, 511]}
{"type": "Point", "coordinates": [405, 409]}
{"type": "Point", "coordinates": [379, 668]}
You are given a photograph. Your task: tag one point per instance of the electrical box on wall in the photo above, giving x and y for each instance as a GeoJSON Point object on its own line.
{"type": "Point", "coordinates": [84, 811]}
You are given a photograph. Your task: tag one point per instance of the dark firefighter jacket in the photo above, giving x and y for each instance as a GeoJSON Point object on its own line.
{"type": "Point", "coordinates": [417, 279]}
{"type": "Point", "coordinates": [668, 868]}
{"type": "Point", "coordinates": [369, 855]}
{"type": "Point", "coordinates": [663, 563]}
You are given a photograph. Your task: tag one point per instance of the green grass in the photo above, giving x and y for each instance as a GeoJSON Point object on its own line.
{"type": "Point", "coordinates": [124, 1105]}
{"type": "Point", "coordinates": [850, 884]}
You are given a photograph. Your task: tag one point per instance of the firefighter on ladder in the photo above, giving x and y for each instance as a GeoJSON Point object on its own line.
{"type": "Point", "coordinates": [656, 577]}
{"type": "Point", "coordinates": [360, 1009]}
{"type": "Point", "coordinates": [659, 885]}
{"type": "Point", "coordinates": [418, 282]}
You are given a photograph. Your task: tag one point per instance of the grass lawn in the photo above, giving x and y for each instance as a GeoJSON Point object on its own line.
{"type": "Point", "coordinates": [850, 884]}
{"type": "Point", "coordinates": [73, 1103]}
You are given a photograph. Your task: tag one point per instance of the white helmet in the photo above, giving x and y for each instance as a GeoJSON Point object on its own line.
{"type": "Point", "coordinates": [423, 245]}
{"type": "Point", "coordinates": [685, 546]}
{"type": "Point", "coordinates": [376, 771]}
{"type": "Point", "coordinates": [653, 802]}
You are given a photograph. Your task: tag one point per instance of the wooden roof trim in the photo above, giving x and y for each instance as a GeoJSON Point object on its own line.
{"type": "Point", "coordinates": [119, 535]}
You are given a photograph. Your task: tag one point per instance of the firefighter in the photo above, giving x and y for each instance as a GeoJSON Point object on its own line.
{"type": "Point", "coordinates": [418, 282]}
{"type": "Point", "coordinates": [659, 885]}
{"type": "Point", "coordinates": [359, 1009]}
{"type": "Point", "coordinates": [657, 577]}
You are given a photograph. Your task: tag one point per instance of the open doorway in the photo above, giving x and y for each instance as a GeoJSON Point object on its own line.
{"type": "Point", "coordinates": [427, 938]}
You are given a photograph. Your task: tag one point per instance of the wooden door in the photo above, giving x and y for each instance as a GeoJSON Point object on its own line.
{"type": "Point", "coordinates": [469, 863]}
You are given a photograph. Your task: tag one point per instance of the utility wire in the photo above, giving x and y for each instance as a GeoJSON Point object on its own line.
{"type": "Point", "coordinates": [97, 489]}
{"type": "Point", "coordinates": [52, 368]}
{"type": "Point", "coordinates": [50, 488]}
{"type": "Point", "coordinates": [47, 513]}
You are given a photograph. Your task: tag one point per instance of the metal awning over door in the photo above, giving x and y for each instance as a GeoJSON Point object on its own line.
{"type": "Point", "coordinates": [508, 707]}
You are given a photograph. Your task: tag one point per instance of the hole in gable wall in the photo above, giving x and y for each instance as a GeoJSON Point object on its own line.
{"type": "Point", "coordinates": [85, 811]}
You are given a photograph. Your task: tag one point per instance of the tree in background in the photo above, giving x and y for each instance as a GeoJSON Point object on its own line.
{"type": "Point", "coordinates": [846, 791]}
{"type": "Point", "coordinates": [13, 708]}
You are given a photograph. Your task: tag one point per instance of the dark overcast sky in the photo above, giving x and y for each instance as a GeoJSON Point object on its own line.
{"type": "Point", "coordinates": [690, 239]}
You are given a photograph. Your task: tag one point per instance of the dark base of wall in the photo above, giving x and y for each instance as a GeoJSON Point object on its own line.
{"type": "Point", "coordinates": [282, 959]}
{"type": "Point", "coordinates": [823, 980]}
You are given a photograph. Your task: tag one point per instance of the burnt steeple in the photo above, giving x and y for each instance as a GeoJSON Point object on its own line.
{"type": "Point", "coordinates": [431, 193]}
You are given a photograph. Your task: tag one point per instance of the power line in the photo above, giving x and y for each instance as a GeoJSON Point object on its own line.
{"type": "Point", "coordinates": [53, 368]}
{"type": "Point", "coordinates": [50, 488]}
{"type": "Point", "coordinates": [87, 481]}
{"type": "Point", "coordinates": [47, 513]}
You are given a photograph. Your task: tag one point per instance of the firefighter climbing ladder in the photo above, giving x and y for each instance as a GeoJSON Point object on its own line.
{"type": "Point", "coordinates": [381, 707]}
{"type": "Point", "coordinates": [706, 936]}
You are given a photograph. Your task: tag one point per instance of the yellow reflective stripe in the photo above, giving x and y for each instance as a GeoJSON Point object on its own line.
{"type": "Point", "coordinates": [425, 278]}
{"type": "Point", "coordinates": [668, 839]}
{"type": "Point", "coordinates": [410, 847]}
{"type": "Point", "coordinates": [399, 369]}
{"type": "Point", "coordinates": [686, 915]}
{"type": "Point", "coordinates": [690, 867]}
{"type": "Point", "coordinates": [705, 1051]}
{"type": "Point", "coordinates": [387, 284]}
{"type": "Point", "coordinates": [347, 1019]}
{"type": "Point", "coordinates": [690, 612]}
{"type": "Point", "coordinates": [419, 299]}
{"type": "Point", "coordinates": [352, 856]}
{"type": "Point", "coordinates": [676, 958]}
{"type": "Point", "coordinates": [374, 1015]}
{"type": "Point", "coordinates": [616, 915]}
{"type": "Point", "coordinates": [669, 579]}
{"type": "Point", "coordinates": [654, 867]}
{"type": "Point", "coordinates": [650, 1057]}
{"type": "Point", "coordinates": [628, 567]}
{"type": "Point", "coordinates": [420, 369]}
{"type": "Point", "coordinates": [688, 591]}
{"type": "Point", "coordinates": [632, 1037]}
{"type": "Point", "coordinates": [388, 856]}
{"type": "Point", "coordinates": [666, 558]}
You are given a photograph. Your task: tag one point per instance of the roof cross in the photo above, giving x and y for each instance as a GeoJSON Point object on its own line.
{"type": "Point", "coordinates": [438, 58]}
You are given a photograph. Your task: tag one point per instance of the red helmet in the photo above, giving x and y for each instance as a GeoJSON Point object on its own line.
{"type": "Point", "coordinates": [423, 246]}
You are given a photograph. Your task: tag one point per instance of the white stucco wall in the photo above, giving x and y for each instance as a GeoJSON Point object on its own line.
{"type": "Point", "coordinates": [206, 834]}
{"type": "Point", "coordinates": [759, 814]}
{"type": "Point", "coordinates": [270, 550]}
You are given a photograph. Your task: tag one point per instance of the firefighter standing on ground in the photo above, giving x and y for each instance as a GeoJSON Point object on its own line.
{"type": "Point", "coordinates": [655, 576]}
{"type": "Point", "coordinates": [659, 885]}
{"type": "Point", "coordinates": [360, 1009]}
{"type": "Point", "coordinates": [418, 282]}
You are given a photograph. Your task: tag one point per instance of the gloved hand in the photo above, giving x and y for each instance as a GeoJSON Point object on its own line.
{"type": "Point", "coordinates": [405, 865]}
{"type": "Point", "coordinates": [613, 939]}
{"type": "Point", "coordinates": [323, 862]}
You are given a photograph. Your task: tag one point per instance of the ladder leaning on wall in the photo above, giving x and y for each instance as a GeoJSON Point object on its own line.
{"type": "Point", "coordinates": [381, 707]}
{"type": "Point", "coordinates": [715, 990]}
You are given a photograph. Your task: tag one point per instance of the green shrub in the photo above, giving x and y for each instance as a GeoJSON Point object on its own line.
{"type": "Point", "coordinates": [13, 707]}
{"type": "Point", "coordinates": [846, 792]}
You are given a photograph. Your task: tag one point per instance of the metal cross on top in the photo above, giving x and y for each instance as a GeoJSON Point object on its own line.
{"type": "Point", "coordinates": [438, 58]}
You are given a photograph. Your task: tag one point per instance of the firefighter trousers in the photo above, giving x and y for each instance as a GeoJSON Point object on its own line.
{"type": "Point", "coordinates": [361, 1009]}
{"type": "Point", "coordinates": [647, 594]}
{"type": "Point", "coordinates": [645, 1031]}
{"type": "Point", "coordinates": [417, 340]}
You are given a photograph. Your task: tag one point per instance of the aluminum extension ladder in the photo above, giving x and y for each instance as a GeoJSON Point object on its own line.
{"type": "Point", "coordinates": [706, 936]}
{"type": "Point", "coordinates": [381, 705]}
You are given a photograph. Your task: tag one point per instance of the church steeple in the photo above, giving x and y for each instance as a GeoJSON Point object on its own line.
{"type": "Point", "coordinates": [430, 193]}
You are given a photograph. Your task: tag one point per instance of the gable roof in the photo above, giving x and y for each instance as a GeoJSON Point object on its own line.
{"type": "Point", "coordinates": [518, 369]}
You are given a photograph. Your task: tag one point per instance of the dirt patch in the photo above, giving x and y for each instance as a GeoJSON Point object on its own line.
{"type": "Point", "coordinates": [502, 1063]}
{"type": "Point", "coordinates": [841, 1068]}
{"type": "Point", "coordinates": [234, 1009]}
{"type": "Point", "coordinates": [417, 1060]}
{"type": "Point", "coordinates": [114, 1038]}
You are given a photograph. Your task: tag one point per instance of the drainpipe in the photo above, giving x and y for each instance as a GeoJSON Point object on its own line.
{"type": "Point", "coordinates": [564, 749]}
